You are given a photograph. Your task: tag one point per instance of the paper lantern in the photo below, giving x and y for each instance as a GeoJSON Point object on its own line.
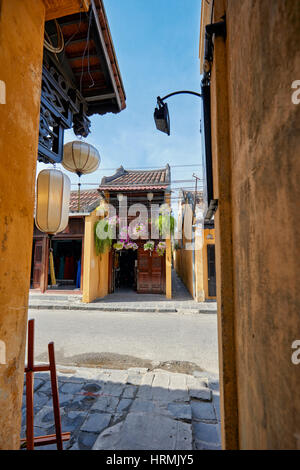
{"type": "Point", "coordinates": [52, 201]}
{"type": "Point", "coordinates": [80, 158]}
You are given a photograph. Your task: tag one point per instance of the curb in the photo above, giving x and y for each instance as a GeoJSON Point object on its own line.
{"type": "Point", "coordinates": [119, 309]}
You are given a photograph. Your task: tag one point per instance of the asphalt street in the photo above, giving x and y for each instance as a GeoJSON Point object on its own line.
{"type": "Point", "coordinates": [128, 339]}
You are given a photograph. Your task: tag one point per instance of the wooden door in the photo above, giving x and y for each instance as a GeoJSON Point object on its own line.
{"type": "Point", "coordinates": [157, 273]}
{"type": "Point", "coordinates": [144, 284]}
{"type": "Point", "coordinates": [38, 264]}
{"type": "Point", "coordinates": [150, 276]}
{"type": "Point", "coordinates": [211, 269]}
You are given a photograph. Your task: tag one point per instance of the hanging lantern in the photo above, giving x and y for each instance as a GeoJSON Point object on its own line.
{"type": "Point", "coordinates": [52, 201]}
{"type": "Point", "coordinates": [52, 207]}
{"type": "Point", "coordinates": [80, 158]}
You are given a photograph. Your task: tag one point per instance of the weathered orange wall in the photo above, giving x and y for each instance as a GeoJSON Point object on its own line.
{"type": "Point", "coordinates": [255, 137]}
{"type": "Point", "coordinates": [21, 49]}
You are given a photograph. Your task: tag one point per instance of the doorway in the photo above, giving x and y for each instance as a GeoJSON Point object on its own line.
{"type": "Point", "coordinates": [125, 269]}
{"type": "Point", "coordinates": [211, 270]}
{"type": "Point", "coordinates": [67, 264]}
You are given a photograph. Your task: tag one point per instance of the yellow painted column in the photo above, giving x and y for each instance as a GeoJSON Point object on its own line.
{"type": "Point", "coordinates": [199, 294]}
{"type": "Point", "coordinates": [168, 259]}
{"type": "Point", "coordinates": [21, 54]}
{"type": "Point", "coordinates": [168, 269]}
{"type": "Point", "coordinates": [95, 267]}
{"type": "Point", "coordinates": [90, 265]}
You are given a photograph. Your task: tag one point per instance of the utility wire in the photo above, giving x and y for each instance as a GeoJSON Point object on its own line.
{"type": "Point", "coordinates": [152, 167]}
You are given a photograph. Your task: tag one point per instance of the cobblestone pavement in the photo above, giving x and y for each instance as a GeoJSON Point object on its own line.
{"type": "Point", "coordinates": [127, 300]}
{"type": "Point", "coordinates": [132, 409]}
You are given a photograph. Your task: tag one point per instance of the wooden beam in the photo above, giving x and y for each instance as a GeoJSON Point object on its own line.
{"type": "Point", "coordinates": [60, 8]}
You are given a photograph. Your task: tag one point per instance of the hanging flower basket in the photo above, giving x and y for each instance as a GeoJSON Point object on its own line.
{"type": "Point", "coordinates": [131, 246]}
{"type": "Point", "coordinates": [103, 235]}
{"type": "Point", "coordinates": [149, 246]}
{"type": "Point", "coordinates": [123, 234]}
{"type": "Point", "coordinates": [113, 221]}
{"type": "Point", "coordinates": [138, 231]}
{"type": "Point", "coordinates": [118, 246]}
{"type": "Point", "coordinates": [160, 248]}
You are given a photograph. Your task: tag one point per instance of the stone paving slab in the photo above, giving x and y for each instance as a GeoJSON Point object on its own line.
{"type": "Point", "coordinates": [154, 432]}
{"type": "Point", "coordinates": [103, 409]}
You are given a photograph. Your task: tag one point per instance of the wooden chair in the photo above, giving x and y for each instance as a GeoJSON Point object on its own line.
{"type": "Point", "coordinates": [59, 437]}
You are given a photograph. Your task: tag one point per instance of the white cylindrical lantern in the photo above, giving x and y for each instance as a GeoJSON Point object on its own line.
{"type": "Point", "coordinates": [52, 201]}
{"type": "Point", "coordinates": [80, 157]}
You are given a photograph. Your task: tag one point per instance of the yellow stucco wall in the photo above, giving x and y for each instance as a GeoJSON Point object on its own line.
{"type": "Point", "coordinates": [207, 241]}
{"type": "Point", "coordinates": [168, 257]}
{"type": "Point", "coordinates": [184, 265]}
{"type": "Point", "coordinates": [95, 267]}
{"type": "Point", "coordinates": [255, 134]}
{"type": "Point", "coordinates": [195, 278]}
{"type": "Point", "coordinates": [21, 49]}
{"type": "Point", "coordinates": [168, 269]}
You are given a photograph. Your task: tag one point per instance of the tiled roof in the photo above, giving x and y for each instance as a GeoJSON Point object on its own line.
{"type": "Point", "coordinates": [89, 200]}
{"type": "Point", "coordinates": [136, 180]}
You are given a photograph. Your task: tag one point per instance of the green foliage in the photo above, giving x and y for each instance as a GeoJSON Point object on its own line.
{"type": "Point", "coordinates": [176, 246]}
{"type": "Point", "coordinates": [103, 234]}
{"type": "Point", "coordinates": [165, 224]}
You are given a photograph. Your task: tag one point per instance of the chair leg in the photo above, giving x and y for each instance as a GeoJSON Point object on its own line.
{"type": "Point", "coordinates": [55, 397]}
{"type": "Point", "coordinates": [30, 388]}
{"type": "Point", "coordinates": [29, 412]}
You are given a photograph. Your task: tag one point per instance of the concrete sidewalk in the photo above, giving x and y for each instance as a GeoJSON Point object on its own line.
{"type": "Point", "coordinates": [134, 409]}
{"type": "Point", "coordinates": [126, 301]}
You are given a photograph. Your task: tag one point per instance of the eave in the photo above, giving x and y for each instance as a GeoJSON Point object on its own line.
{"type": "Point", "coordinates": [88, 59]}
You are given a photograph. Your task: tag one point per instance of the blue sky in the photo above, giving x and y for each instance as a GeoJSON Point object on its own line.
{"type": "Point", "coordinates": [156, 43]}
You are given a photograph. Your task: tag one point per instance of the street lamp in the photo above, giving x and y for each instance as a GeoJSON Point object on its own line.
{"type": "Point", "coordinates": [162, 122]}
{"type": "Point", "coordinates": [161, 112]}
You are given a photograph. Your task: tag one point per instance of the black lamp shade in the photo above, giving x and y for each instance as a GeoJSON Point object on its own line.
{"type": "Point", "coordinates": [162, 118]}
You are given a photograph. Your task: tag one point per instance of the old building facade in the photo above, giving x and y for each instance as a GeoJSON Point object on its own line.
{"type": "Point", "coordinates": [130, 265]}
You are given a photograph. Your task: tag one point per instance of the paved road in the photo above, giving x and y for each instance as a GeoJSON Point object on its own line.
{"type": "Point", "coordinates": [128, 339]}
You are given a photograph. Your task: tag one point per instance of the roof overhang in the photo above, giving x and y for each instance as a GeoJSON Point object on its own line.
{"type": "Point", "coordinates": [88, 58]}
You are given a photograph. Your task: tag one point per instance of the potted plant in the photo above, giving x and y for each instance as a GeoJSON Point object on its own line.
{"type": "Point", "coordinates": [119, 245]}
{"type": "Point", "coordinates": [138, 230]}
{"type": "Point", "coordinates": [149, 246]}
{"type": "Point", "coordinates": [130, 246]}
{"type": "Point", "coordinates": [160, 248]}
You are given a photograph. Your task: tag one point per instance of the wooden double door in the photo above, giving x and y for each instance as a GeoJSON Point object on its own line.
{"type": "Point", "coordinates": [150, 273]}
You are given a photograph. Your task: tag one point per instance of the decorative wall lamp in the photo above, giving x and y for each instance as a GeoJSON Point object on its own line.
{"type": "Point", "coordinates": [162, 122]}
{"type": "Point", "coordinates": [52, 206]}
{"type": "Point", "coordinates": [161, 113]}
{"type": "Point", "coordinates": [80, 158]}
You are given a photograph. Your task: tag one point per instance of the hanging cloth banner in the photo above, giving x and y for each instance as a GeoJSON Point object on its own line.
{"type": "Point", "coordinates": [52, 271]}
